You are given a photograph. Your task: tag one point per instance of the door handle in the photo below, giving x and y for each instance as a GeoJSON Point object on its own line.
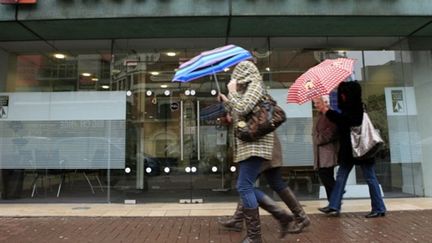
{"type": "Point", "coordinates": [181, 131]}
{"type": "Point", "coordinates": [198, 132]}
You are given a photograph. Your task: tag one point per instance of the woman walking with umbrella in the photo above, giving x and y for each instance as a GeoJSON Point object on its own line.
{"type": "Point", "coordinates": [246, 89]}
{"type": "Point", "coordinates": [351, 106]}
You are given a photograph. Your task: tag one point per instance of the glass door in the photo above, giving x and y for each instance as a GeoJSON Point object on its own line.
{"type": "Point", "coordinates": [178, 146]}
{"type": "Point", "coordinates": [212, 178]}
{"type": "Point", "coordinates": [167, 144]}
{"type": "Point", "coordinates": [186, 145]}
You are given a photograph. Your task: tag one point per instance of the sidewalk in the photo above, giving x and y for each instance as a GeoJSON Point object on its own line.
{"type": "Point", "coordinates": [176, 209]}
{"type": "Point", "coordinates": [397, 226]}
{"type": "Point", "coordinates": [100, 223]}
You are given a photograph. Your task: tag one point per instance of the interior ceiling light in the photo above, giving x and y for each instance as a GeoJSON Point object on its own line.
{"type": "Point", "coordinates": [95, 79]}
{"type": "Point", "coordinates": [59, 56]}
{"type": "Point", "coordinates": [263, 53]}
{"type": "Point", "coordinates": [116, 71]}
{"type": "Point", "coordinates": [267, 69]}
{"type": "Point", "coordinates": [154, 73]}
{"type": "Point", "coordinates": [226, 69]}
{"type": "Point", "coordinates": [86, 74]}
{"type": "Point", "coordinates": [171, 54]}
{"type": "Point", "coordinates": [105, 87]}
{"type": "Point", "coordinates": [164, 86]}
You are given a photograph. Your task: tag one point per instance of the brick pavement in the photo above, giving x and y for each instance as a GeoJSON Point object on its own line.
{"type": "Point", "coordinates": [397, 226]}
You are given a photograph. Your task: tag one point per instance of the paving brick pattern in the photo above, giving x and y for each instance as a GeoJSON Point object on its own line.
{"type": "Point", "coordinates": [397, 226]}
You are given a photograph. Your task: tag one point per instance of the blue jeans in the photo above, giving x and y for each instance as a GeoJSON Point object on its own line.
{"type": "Point", "coordinates": [377, 202]}
{"type": "Point", "coordinates": [275, 181]}
{"type": "Point", "coordinates": [249, 170]}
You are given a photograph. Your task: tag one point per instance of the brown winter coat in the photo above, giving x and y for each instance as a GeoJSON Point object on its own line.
{"type": "Point", "coordinates": [325, 143]}
{"type": "Point", "coordinates": [277, 159]}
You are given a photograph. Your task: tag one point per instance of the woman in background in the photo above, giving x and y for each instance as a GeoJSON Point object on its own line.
{"type": "Point", "coordinates": [351, 106]}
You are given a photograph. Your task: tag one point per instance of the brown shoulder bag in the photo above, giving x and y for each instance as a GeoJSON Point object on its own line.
{"type": "Point", "coordinates": [262, 120]}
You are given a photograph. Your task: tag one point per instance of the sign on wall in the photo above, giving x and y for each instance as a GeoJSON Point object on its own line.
{"type": "Point", "coordinates": [18, 1]}
{"type": "Point", "coordinates": [4, 106]}
{"type": "Point", "coordinates": [400, 101]}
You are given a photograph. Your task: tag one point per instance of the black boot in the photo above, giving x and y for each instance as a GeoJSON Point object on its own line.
{"type": "Point", "coordinates": [253, 225]}
{"type": "Point", "coordinates": [291, 201]}
{"type": "Point", "coordinates": [235, 223]}
{"type": "Point", "coordinates": [286, 221]}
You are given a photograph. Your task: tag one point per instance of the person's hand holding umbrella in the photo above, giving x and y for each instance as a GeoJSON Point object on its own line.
{"type": "Point", "coordinates": [222, 98]}
{"type": "Point", "coordinates": [232, 86]}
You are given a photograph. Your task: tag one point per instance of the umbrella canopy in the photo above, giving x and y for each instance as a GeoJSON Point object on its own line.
{"type": "Point", "coordinates": [320, 80]}
{"type": "Point", "coordinates": [211, 62]}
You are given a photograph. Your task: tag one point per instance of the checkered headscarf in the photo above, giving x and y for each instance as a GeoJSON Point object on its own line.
{"type": "Point", "coordinates": [246, 72]}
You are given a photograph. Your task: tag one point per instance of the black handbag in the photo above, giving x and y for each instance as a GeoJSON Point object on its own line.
{"type": "Point", "coordinates": [265, 117]}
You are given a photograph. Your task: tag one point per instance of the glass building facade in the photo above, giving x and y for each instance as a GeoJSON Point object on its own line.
{"type": "Point", "coordinates": [99, 120]}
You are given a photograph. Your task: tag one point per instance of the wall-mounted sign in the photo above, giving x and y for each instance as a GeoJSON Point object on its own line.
{"type": "Point", "coordinates": [18, 1]}
{"type": "Point", "coordinates": [400, 101]}
{"type": "Point", "coordinates": [174, 106]}
{"type": "Point", "coordinates": [4, 106]}
{"type": "Point", "coordinates": [398, 104]}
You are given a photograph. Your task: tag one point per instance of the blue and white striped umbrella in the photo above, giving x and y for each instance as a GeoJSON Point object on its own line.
{"type": "Point", "coordinates": [211, 62]}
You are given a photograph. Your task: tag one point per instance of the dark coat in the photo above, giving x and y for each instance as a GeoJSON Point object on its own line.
{"type": "Point", "coordinates": [325, 143]}
{"type": "Point", "coordinates": [277, 159]}
{"type": "Point", "coordinates": [350, 116]}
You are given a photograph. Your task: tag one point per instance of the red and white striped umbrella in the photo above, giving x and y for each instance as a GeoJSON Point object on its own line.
{"type": "Point", "coordinates": [320, 80]}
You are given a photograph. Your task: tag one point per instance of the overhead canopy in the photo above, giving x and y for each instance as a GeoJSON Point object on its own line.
{"type": "Point", "coordinates": [72, 20]}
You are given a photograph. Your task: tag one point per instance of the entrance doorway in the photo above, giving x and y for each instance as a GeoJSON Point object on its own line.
{"type": "Point", "coordinates": [178, 141]}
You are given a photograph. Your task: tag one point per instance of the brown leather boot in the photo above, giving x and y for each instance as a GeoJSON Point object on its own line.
{"type": "Point", "coordinates": [286, 221]}
{"type": "Point", "coordinates": [235, 223]}
{"type": "Point", "coordinates": [253, 225]}
{"type": "Point", "coordinates": [293, 204]}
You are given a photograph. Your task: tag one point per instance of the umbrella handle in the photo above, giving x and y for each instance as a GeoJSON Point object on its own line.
{"type": "Point", "coordinates": [217, 83]}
